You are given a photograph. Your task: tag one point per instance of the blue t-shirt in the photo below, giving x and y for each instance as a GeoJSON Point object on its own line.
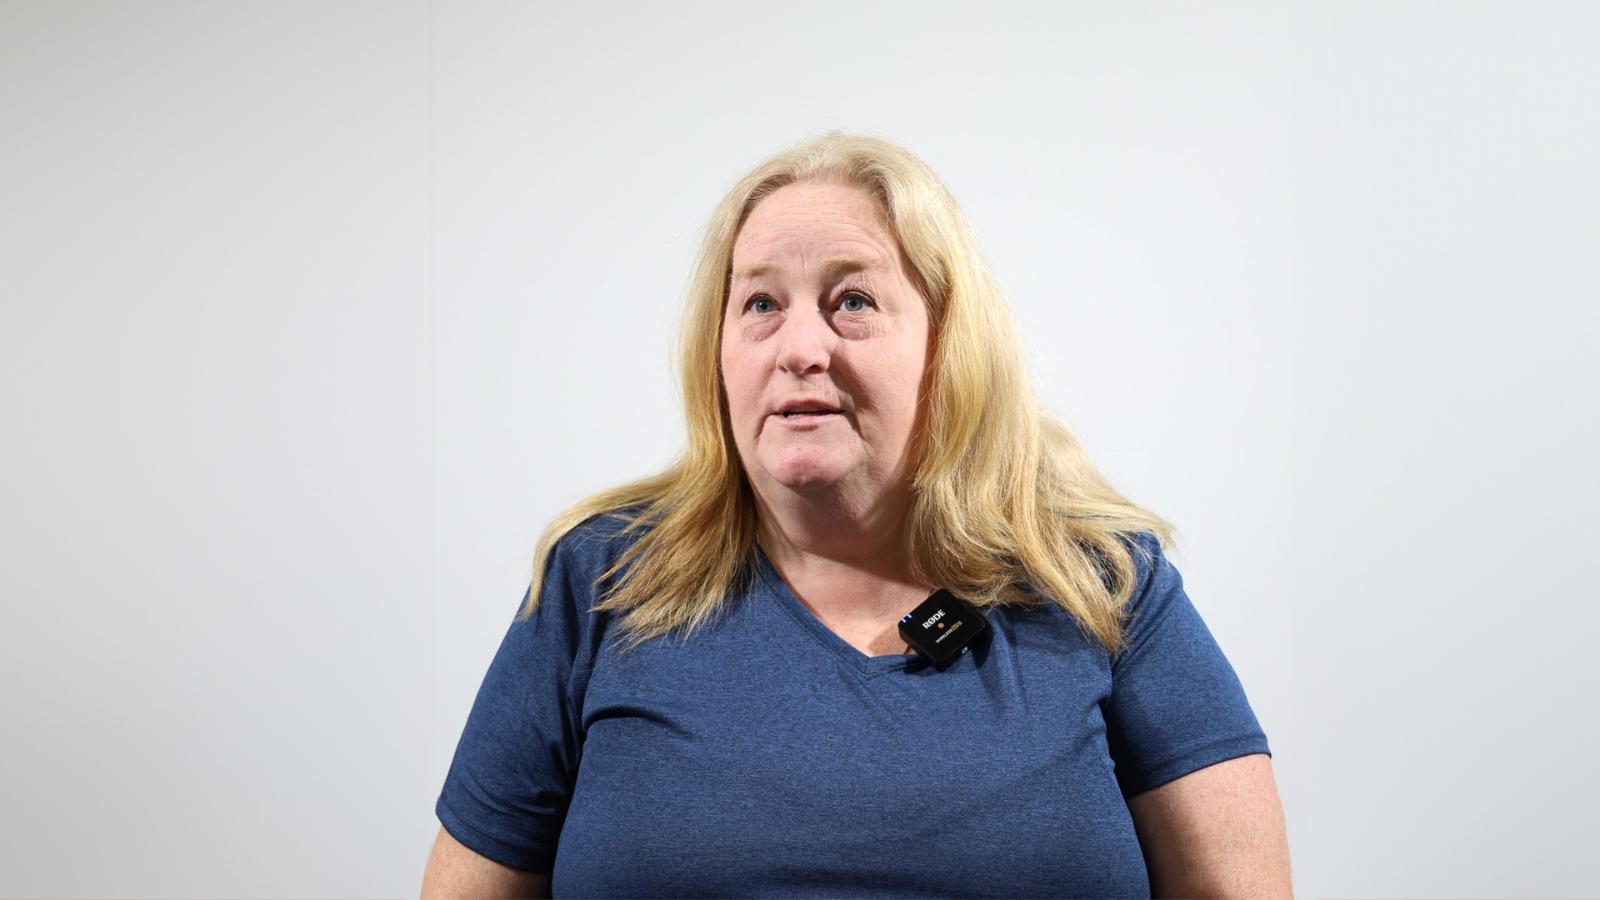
{"type": "Point", "coordinates": [766, 756]}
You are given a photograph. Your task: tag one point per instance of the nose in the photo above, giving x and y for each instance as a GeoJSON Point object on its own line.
{"type": "Point", "coordinates": [805, 342]}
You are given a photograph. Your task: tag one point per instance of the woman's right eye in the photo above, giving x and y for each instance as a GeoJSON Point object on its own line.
{"type": "Point", "coordinates": [757, 299]}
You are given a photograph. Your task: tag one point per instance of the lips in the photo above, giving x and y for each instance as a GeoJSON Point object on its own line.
{"type": "Point", "coordinates": [796, 408]}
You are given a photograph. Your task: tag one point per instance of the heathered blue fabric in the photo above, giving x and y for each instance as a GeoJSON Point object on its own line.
{"type": "Point", "coordinates": [765, 756]}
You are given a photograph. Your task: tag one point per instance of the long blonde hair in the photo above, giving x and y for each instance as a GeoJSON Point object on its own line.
{"type": "Point", "coordinates": [1006, 506]}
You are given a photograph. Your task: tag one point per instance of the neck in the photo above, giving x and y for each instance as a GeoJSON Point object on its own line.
{"type": "Point", "coordinates": [824, 531]}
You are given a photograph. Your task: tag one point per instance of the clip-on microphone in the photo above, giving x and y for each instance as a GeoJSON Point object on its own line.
{"type": "Point", "coordinates": [942, 627]}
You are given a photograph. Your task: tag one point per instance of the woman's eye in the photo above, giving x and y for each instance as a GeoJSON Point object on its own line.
{"type": "Point", "coordinates": [850, 297]}
{"type": "Point", "coordinates": [855, 296]}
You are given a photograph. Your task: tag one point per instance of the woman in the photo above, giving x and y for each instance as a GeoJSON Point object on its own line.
{"type": "Point", "coordinates": [707, 692]}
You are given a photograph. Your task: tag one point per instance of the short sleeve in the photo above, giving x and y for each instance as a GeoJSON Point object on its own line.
{"type": "Point", "coordinates": [1176, 704]}
{"type": "Point", "coordinates": [507, 790]}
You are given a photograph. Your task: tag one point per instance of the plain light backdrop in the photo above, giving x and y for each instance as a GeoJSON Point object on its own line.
{"type": "Point", "coordinates": [315, 315]}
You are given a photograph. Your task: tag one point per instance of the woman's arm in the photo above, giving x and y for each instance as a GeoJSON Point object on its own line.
{"type": "Point", "coordinates": [1216, 832]}
{"type": "Point", "coordinates": [456, 871]}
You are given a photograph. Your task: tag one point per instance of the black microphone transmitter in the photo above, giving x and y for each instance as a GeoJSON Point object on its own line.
{"type": "Point", "coordinates": [942, 627]}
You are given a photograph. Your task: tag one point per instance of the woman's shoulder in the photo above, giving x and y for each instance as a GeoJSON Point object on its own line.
{"type": "Point", "coordinates": [1148, 554]}
{"type": "Point", "coordinates": [578, 570]}
{"type": "Point", "coordinates": [596, 543]}
{"type": "Point", "coordinates": [1142, 543]}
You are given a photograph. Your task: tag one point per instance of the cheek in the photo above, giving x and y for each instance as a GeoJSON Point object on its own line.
{"type": "Point", "coordinates": [891, 397]}
{"type": "Point", "coordinates": [896, 377]}
{"type": "Point", "coordinates": [737, 379]}
{"type": "Point", "coordinates": [727, 357]}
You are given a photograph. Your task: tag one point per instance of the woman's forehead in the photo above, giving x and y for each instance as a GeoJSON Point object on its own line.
{"type": "Point", "coordinates": [827, 227]}
{"type": "Point", "coordinates": [826, 268]}
{"type": "Point", "coordinates": [815, 205]}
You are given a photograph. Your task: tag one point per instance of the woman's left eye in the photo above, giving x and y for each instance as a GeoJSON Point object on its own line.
{"type": "Point", "coordinates": [855, 295]}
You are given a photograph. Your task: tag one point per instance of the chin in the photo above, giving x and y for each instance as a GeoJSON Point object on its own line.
{"type": "Point", "coordinates": [805, 478]}
{"type": "Point", "coordinates": [808, 485]}
{"type": "Point", "coordinates": [807, 469]}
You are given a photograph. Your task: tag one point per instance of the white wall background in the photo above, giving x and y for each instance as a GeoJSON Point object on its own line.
{"type": "Point", "coordinates": [315, 314]}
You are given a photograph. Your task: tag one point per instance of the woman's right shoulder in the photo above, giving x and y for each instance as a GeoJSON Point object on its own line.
{"type": "Point", "coordinates": [594, 544]}
{"type": "Point", "coordinates": [574, 578]}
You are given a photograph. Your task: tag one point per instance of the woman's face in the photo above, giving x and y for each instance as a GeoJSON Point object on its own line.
{"type": "Point", "coordinates": [821, 311]}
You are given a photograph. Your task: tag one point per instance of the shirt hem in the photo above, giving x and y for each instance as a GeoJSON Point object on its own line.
{"type": "Point", "coordinates": [491, 847]}
{"type": "Point", "coordinates": [1194, 760]}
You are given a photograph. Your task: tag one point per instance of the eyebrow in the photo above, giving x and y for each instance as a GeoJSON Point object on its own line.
{"type": "Point", "coordinates": [836, 266]}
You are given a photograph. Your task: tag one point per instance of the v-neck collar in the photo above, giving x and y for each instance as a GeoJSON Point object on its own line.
{"type": "Point", "coordinates": [866, 665]}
